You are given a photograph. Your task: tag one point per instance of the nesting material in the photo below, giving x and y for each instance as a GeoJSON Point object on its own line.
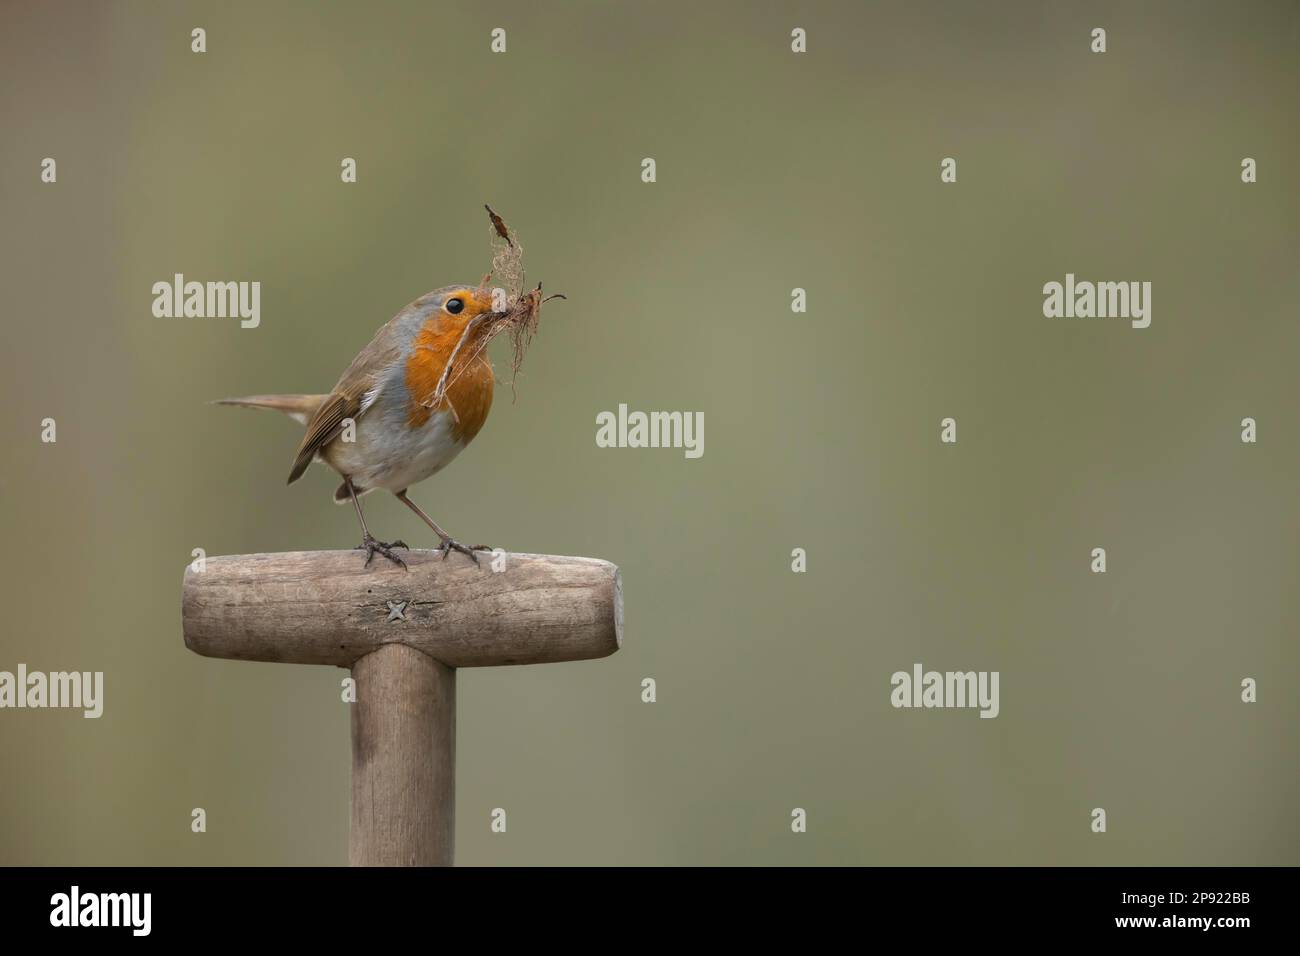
{"type": "Point", "coordinates": [516, 314]}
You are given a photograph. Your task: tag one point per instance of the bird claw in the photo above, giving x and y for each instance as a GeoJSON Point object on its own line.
{"type": "Point", "coordinates": [373, 547]}
{"type": "Point", "coordinates": [451, 544]}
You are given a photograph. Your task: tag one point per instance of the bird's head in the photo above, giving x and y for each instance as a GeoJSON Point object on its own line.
{"type": "Point", "coordinates": [457, 307]}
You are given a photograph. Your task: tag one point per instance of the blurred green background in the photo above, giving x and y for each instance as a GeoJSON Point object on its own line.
{"type": "Point", "coordinates": [775, 171]}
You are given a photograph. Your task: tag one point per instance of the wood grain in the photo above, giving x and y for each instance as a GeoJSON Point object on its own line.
{"type": "Point", "coordinates": [403, 760]}
{"type": "Point", "coordinates": [325, 607]}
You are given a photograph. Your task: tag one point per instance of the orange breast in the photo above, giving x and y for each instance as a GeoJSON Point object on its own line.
{"type": "Point", "coordinates": [469, 390]}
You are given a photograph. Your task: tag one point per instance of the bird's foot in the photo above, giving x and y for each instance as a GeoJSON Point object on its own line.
{"type": "Point", "coordinates": [374, 547]}
{"type": "Point", "coordinates": [451, 544]}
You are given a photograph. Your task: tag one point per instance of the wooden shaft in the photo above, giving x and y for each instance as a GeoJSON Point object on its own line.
{"type": "Point", "coordinates": [403, 760]}
{"type": "Point", "coordinates": [326, 607]}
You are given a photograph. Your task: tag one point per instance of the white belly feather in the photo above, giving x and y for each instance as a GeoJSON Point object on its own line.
{"type": "Point", "coordinates": [390, 454]}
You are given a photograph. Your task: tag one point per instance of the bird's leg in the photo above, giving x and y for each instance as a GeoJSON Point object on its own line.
{"type": "Point", "coordinates": [449, 544]}
{"type": "Point", "coordinates": [368, 541]}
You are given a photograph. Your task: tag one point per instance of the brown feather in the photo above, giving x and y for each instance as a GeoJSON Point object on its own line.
{"type": "Point", "coordinates": [345, 401]}
{"type": "Point", "coordinates": [323, 428]}
{"type": "Point", "coordinates": [301, 407]}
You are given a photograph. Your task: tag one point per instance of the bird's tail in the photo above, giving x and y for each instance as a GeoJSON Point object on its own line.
{"type": "Point", "coordinates": [298, 407]}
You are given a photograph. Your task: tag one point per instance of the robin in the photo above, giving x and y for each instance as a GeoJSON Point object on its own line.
{"type": "Point", "coordinates": [401, 430]}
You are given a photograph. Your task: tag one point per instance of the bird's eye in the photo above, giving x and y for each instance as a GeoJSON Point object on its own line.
{"type": "Point", "coordinates": [455, 306]}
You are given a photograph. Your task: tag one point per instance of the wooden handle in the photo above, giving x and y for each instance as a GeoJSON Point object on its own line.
{"type": "Point", "coordinates": [326, 607]}
{"type": "Point", "coordinates": [403, 760]}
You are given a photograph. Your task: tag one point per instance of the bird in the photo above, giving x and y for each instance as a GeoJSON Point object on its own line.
{"type": "Point", "coordinates": [402, 430]}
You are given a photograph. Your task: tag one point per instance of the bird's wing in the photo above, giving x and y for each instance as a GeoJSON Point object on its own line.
{"type": "Point", "coordinates": [322, 429]}
{"type": "Point", "coordinates": [355, 391]}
